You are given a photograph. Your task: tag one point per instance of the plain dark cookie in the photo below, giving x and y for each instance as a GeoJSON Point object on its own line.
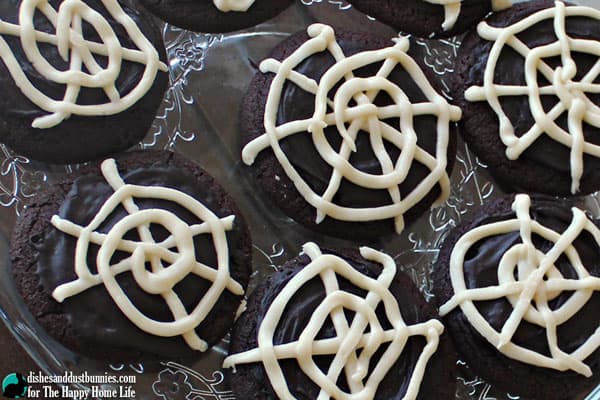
{"type": "Point", "coordinates": [423, 18]}
{"type": "Point", "coordinates": [249, 381]}
{"type": "Point", "coordinates": [204, 16]}
{"type": "Point", "coordinates": [545, 166]}
{"type": "Point", "coordinates": [481, 270]}
{"type": "Point", "coordinates": [90, 323]}
{"type": "Point", "coordinates": [297, 104]}
{"type": "Point", "coordinates": [79, 138]}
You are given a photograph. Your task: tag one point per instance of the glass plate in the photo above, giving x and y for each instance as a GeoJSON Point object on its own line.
{"type": "Point", "coordinates": [200, 125]}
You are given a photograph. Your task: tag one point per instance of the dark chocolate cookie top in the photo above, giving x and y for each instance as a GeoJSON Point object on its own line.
{"type": "Point", "coordinates": [71, 76]}
{"type": "Point", "coordinates": [430, 18]}
{"type": "Point", "coordinates": [151, 258]}
{"type": "Point", "coordinates": [346, 133]}
{"type": "Point", "coordinates": [347, 315]}
{"type": "Point", "coordinates": [519, 288]}
{"type": "Point", "coordinates": [526, 81]}
{"type": "Point", "coordinates": [215, 16]}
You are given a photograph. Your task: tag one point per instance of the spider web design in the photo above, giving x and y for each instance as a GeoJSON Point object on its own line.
{"type": "Point", "coordinates": [79, 52]}
{"type": "Point", "coordinates": [356, 341]}
{"type": "Point", "coordinates": [570, 93]}
{"type": "Point", "coordinates": [350, 120]}
{"type": "Point", "coordinates": [539, 282]}
{"type": "Point", "coordinates": [160, 280]}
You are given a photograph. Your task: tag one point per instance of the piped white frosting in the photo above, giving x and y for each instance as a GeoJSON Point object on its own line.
{"type": "Point", "coordinates": [353, 348]}
{"type": "Point", "coordinates": [79, 52]}
{"type": "Point", "coordinates": [233, 5]}
{"type": "Point", "coordinates": [452, 10]}
{"type": "Point", "coordinates": [350, 120]}
{"type": "Point", "coordinates": [161, 279]}
{"type": "Point", "coordinates": [538, 281]}
{"type": "Point", "coordinates": [571, 93]}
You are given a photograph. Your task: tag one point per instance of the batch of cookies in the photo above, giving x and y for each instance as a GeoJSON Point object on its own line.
{"type": "Point", "coordinates": [141, 255]}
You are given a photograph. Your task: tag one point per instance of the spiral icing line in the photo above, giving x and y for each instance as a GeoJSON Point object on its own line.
{"type": "Point", "coordinates": [350, 120]}
{"type": "Point", "coordinates": [570, 92]}
{"type": "Point", "coordinates": [233, 5]}
{"type": "Point", "coordinates": [74, 48]}
{"type": "Point", "coordinates": [356, 341]}
{"type": "Point", "coordinates": [529, 279]}
{"type": "Point", "coordinates": [161, 279]}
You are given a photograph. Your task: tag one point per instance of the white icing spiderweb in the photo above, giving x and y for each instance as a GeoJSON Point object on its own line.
{"type": "Point", "coordinates": [356, 341]}
{"type": "Point", "coordinates": [74, 48]}
{"type": "Point", "coordinates": [572, 94]}
{"type": "Point", "coordinates": [176, 251]}
{"type": "Point", "coordinates": [350, 119]}
{"type": "Point", "coordinates": [529, 279]}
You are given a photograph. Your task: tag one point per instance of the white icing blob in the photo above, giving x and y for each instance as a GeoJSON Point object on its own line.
{"type": "Point", "coordinates": [161, 280]}
{"type": "Point", "coordinates": [350, 120]}
{"type": "Point", "coordinates": [79, 52]}
{"type": "Point", "coordinates": [233, 5]}
{"type": "Point", "coordinates": [572, 95]}
{"type": "Point", "coordinates": [538, 282]}
{"type": "Point", "coordinates": [353, 348]}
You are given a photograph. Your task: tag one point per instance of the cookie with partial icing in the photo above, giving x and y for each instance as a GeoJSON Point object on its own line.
{"type": "Point", "coordinates": [141, 256]}
{"type": "Point", "coordinates": [386, 130]}
{"type": "Point", "coordinates": [430, 18]}
{"type": "Point", "coordinates": [80, 80]}
{"type": "Point", "coordinates": [216, 16]}
{"type": "Point", "coordinates": [527, 83]}
{"type": "Point", "coordinates": [519, 289]}
{"type": "Point", "coordinates": [331, 324]}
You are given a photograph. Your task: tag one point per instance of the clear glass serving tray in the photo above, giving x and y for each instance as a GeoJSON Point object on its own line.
{"type": "Point", "coordinates": [198, 118]}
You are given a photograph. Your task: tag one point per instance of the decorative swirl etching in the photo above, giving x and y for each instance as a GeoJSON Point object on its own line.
{"type": "Point", "coordinates": [350, 120]}
{"type": "Point", "coordinates": [529, 279]}
{"type": "Point", "coordinates": [572, 94]}
{"type": "Point", "coordinates": [357, 340]}
{"type": "Point", "coordinates": [161, 280]}
{"type": "Point", "coordinates": [84, 70]}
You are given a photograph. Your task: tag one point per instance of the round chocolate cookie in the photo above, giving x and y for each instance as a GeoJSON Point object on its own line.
{"type": "Point", "coordinates": [376, 188]}
{"type": "Point", "coordinates": [147, 224]}
{"type": "Point", "coordinates": [88, 104]}
{"type": "Point", "coordinates": [206, 16]}
{"type": "Point", "coordinates": [533, 121]}
{"type": "Point", "coordinates": [310, 304]}
{"type": "Point", "coordinates": [430, 18]}
{"type": "Point", "coordinates": [511, 349]}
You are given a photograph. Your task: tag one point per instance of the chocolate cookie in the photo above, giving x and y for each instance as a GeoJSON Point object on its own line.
{"type": "Point", "coordinates": [530, 104]}
{"type": "Point", "coordinates": [78, 96]}
{"type": "Point", "coordinates": [215, 16]}
{"type": "Point", "coordinates": [519, 289]}
{"type": "Point", "coordinates": [162, 256]}
{"type": "Point", "coordinates": [318, 312]}
{"type": "Point", "coordinates": [392, 152]}
{"type": "Point", "coordinates": [430, 18]}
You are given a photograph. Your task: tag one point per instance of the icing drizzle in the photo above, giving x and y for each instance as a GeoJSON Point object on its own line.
{"type": "Point", "coordinates": [73, 47]}
{"type": "Point", "coordinates": [350, 120]}
{"type": "Point", "coordinates": [353, 347]}
{"type": "Point", "coordinates": [537, 283]}
{"type": "Point", "coordinates": [570, 92]}
{"type": "Point", "coordinates": [160, 280]}
{"type": "Point", "coordinates": [233, 5]}
{"type": "Point", "coordinates": [452, 10]}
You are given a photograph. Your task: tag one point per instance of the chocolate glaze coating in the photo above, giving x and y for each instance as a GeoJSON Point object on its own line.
{"type": "Point", "coordinates": [297, 104]}
{"type": "Point", "coordinates": [545, 166]}
{"type": "Point", "coordinates": [421, 18]}
{"type": "Point", "coordinates": [250, 380]}
{"type": "Point", "coordinates": [480, 268]}
{"type": "Point", "coordinates": [90, 323]}
{"type": "Point", "coordinates": [203, 16]}
{"type": "Point", "coordinates": [69, 142]}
